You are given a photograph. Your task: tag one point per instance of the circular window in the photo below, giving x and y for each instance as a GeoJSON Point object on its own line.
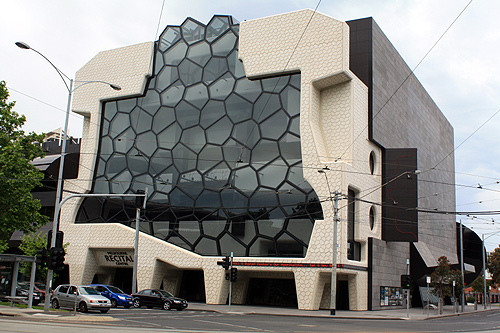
{"type": "Point", "coordinates": [372, 217]}
{"type": "Point", "coordinates": [372, 163]}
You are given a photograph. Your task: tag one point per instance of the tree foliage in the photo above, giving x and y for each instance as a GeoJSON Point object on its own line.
{"type": "Point", "coordinates": [18, 209]}
{"type": "Point", "coordinates": [493, 266]}
{"type": "Point", "coordinates": [442, 281]}
{"type": "Point", "coordinates": [29, 245]}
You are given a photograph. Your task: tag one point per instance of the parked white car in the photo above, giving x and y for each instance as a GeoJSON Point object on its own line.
{"type": "Point", "coordinates": [84, 298]}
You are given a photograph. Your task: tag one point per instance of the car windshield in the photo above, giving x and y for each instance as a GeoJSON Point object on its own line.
{"type": "Point", "coordinates": [166, 293]}
{"type": "Point", "coordinates": [88, 291]}
{"type": "Point", "coordinates": [115, 290]}
{"type": "Point", "coordinates": [40, 285]}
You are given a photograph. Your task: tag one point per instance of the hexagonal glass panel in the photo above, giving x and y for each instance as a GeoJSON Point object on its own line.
{"type": "Point", "coordinates": [212, 112]}
{"type": "Point", "coordinates": [192, 31]}
{"type": "Point", "coordinates": [169, 37]}
{"type": "Point", "coordinates": [238, 109]}
{"type": "Point", "coordinates": [246, 179]}
{"type": "Point", "coordinates": [266, 105]}
{"type": "Point", "coordinates": [169, 137]}
{"type": "Point", "coordinates": [209, 157]}
{"type": "Point", "coordinates": [219, 132]}
{"type": "Point", "coordinates": [215, 68]}
{"type": "Point", "coordinates": [290, 99]}
{"type": "Point", "coordinates": [224, 45]}
{"type": "Point", "coordinates": [190, 72]}
{"type": "Point", "coordinates": [168, 75]}
{"type": "Point", "coordinates": [219, 89]}
{"type": "Point", "coordinates": [163, 118]}
{"type": "Point", "coordinates": [275, 84]}
{"type": "Point", "coordinates": [248, 89]}
{"type": "Point", "coordinates": [194, 138]}
{"type": "Point", "coordinates": [146, 143]}
{"type": "Point", "coordinates": [217, 26]}
{"type": "Point", "coordinates": [199, 53]}
{"type": "Point", "coordinates": [140, 120]}
{"type": "Point", "coordinates": [235, 65]}
{"type": "Point", "coordinates": [197, 95]}
{"type": "Point", "coordinates": [275, 126]}
{"type": "Point", "coordinates": [175, 55]}
{"type": "Point", "coordinates": [172, 95]}
{"type": "Point", "coordinates": [273, 174]}
{"type": "Point", "coordinates": [187, 115]}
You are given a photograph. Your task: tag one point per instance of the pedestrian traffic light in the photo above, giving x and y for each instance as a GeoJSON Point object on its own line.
{"type": "Point", "coordinates": [56, 258]}
{"type": "Point", "coordinates": [226, 262]}
{"type": "Point", "coordinates": [405, 281]}
{"type": "Point", "coordinates": [41, 257]}
{"type": "Point", "coordinates": [233, 276]}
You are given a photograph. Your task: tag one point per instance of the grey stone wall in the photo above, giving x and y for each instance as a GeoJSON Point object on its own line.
{"type": "Point", "coordinates": [411, 119]}
{"type": "Point", "coordinates": [405, 116]}
{"type": "Point", "coordinates": [388, 263]}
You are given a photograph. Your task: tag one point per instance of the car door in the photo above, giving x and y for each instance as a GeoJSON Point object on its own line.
{"type": "Point", "coordinates": [72, 296]}
{"type": "Point", "coordinates": [62, 295]}
{"type": "Point", "coordinates": [156, 298]}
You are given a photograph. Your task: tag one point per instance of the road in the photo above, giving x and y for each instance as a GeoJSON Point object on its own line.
{"type": "Point", "coordinates": [203, 321]}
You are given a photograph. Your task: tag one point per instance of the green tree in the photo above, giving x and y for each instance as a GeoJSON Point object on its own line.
{"type": "Point", "coordinates": [29, 245]}
{"type": "Point", "coordinates": [442, 281]}
{"type": "Point", "coordinates": [18, 209]}
{"type": "Point", "coordinates": [493, 266]}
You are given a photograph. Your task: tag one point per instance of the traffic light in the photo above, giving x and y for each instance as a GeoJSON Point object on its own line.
{"type": "Point", "coordinates": [227, 276]}
{"type": "Point", "coordinates": [405, 281]}
{"type": "Point", "coordinates": [233, 276]}
{"type": "Point", "coordinates": [56, 258]}
{"type": "Point", "coordinates": [226, 262]}
{"type": "Point", "coordinates": [41, 257]}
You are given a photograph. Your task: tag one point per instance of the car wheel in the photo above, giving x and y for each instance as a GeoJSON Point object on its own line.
{"type": "Point", "coordinates": [114, 303]}
{"type": "Point", "coordinates": [82, 307]}
{"type": "Point", "coordinates": [166, 305]}
{"type": "Point", "coordinates": [104, 311]}
{"type": "Point", "coordinates": [137, 303]}
{"type": "Point", "coordinates": [55, 304]}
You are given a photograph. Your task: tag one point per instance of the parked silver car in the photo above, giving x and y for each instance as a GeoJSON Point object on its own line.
{"type": "Point", "coordinates": [84, 298]}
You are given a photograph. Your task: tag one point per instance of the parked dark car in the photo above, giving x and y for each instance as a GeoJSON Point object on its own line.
{"type": "Point", "coordinates": [23, 289]}
{"type": "Point", "coordinates": [158, 298]}
{"type": "Point", "coordinates": [114, 294]}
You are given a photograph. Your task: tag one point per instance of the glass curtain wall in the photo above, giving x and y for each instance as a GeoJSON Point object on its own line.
{"type": "Point", "coordinates": [219, 154]}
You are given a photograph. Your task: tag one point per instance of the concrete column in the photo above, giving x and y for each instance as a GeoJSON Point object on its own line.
{"type": "Point", "coordinates": [358, 291]}
{"type": "Point", "coordinates": [216, 286]}
{"type": "Point", "coordinates": [309, 290]}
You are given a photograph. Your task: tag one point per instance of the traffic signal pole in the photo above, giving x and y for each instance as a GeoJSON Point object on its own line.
{"type": "Point", "coordinates": [230, 282]}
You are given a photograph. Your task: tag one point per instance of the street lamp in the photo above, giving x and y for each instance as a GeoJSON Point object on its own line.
{"type": "Point", "coordinates": [483, 249]}
{"type": "Point", "coordinates": [333, 283]}
{"type": "Point", "coordinates": [68, 82]}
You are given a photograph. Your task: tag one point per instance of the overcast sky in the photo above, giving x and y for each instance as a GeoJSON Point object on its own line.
{"type": "Point", "coordinates": [462, 73]}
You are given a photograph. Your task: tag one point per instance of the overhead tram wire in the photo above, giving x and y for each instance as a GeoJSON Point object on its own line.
{"type": "Point", "coordinates": [498, 111]}
{"type": "Point", "coordinates": [408, 76]}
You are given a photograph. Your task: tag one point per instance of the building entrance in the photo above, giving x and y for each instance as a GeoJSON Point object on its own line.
{"type": "Point", "coordinates": [123, 279]}
{"type": "Point", "coordinates": [193, 286]}
{"type": "Point", "coordinates": [272, 292]}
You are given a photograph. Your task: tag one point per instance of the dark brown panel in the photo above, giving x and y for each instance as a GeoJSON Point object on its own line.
{"type": "Point", "coordinates": [399, 195]}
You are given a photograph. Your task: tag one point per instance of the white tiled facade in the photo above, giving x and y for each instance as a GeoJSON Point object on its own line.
{"type": "Point", "coordinates": [334, 133]}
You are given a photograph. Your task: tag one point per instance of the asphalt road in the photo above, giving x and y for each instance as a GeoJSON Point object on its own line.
{"type": "Point", "coordinates": [201, 321]}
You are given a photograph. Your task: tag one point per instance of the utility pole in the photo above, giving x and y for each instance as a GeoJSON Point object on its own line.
{"type": "Point", "coordinates": [484, 273]}
{"type": "Point", "coordinates": [230, 281]}
{"type": "Point", "coordinates": [408, 290]}
{"type": "Point", "coordinates": [462, 263]}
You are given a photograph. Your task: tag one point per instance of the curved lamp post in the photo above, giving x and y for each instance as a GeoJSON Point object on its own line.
{"type": "Point", "coordinates": [68, 82]}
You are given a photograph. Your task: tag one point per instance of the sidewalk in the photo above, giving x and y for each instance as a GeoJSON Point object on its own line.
{"type": "Point", "coordinates": [396, 314]}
